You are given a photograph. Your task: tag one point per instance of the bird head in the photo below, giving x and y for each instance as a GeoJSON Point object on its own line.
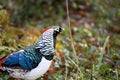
{"type": "Point", "coordinates": [47, 42]}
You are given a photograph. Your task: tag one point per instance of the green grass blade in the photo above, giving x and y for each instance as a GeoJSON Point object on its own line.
{"type": "Point", "coordinates": [102, 52]}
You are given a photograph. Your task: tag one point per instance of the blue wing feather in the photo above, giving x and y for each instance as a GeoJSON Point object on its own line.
{"type": "Point", "coordinates": [12, 60]}
{"type": "Point", "coordinates": [19, 59]}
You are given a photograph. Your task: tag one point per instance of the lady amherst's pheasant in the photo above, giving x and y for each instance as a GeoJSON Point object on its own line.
{"type": "Point", "coordinates": [33, 61]}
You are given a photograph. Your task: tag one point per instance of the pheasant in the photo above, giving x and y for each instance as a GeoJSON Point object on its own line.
{"type": "Point", "coordinates": [32, 61]}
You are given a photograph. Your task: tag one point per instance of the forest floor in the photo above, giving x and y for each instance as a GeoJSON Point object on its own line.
{"type": "Point", "coordinates": [97, 48]}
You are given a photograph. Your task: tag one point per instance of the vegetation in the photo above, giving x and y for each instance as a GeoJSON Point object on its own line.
{"type": "Point", "coordinates": [91, 53]}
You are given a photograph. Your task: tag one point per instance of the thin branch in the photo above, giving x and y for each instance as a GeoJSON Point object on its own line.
{"type": "Point", "coordinates": [72, 42]}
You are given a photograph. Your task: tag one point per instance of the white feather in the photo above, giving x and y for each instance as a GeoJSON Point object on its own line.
{"type": "Point", "coordinates": [34, 73]}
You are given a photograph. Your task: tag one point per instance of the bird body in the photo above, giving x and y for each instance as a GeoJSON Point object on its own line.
{"type": "Point", "coordinates": [35, 73]}
{"type": "Point", "coordinates": [33, 61]}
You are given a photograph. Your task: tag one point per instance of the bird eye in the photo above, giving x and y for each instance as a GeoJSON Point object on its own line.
{"type": "Point", "coordinates": [58, 29]}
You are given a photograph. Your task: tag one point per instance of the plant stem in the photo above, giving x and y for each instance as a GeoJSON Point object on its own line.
{"type": "Point", "coordinates": [71, 37]}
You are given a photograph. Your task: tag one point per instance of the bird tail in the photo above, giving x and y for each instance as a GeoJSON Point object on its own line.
{"type": "Point", "coordinates": [1, 61]}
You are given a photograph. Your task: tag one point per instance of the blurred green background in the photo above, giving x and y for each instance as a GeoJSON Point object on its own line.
{"type": "Point", "coordinates": [95, 30]}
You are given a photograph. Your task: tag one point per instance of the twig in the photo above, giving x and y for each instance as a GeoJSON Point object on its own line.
{"type": "Point", "coordinates": [71, 38]}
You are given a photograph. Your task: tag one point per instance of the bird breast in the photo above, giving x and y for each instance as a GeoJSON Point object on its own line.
{"type": "Point", "coordinates": [34, 73]}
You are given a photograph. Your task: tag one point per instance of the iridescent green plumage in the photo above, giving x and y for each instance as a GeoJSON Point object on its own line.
{"type": "Point", "coordinates": [32, 53]}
